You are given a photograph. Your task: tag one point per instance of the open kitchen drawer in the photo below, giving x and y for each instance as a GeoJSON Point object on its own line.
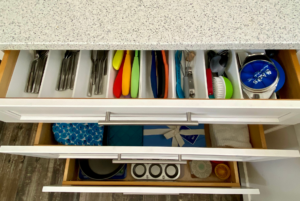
{"type": "Point", "coordinates": [51, 106]}
{"type": "Point", "coordinates": [46, 146]}
{"type": "Point", "coordinates": [185, 184]}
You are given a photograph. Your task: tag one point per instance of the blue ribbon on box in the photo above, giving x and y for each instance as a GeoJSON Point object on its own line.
{"type": "Point", "coordinates": [161, 135]}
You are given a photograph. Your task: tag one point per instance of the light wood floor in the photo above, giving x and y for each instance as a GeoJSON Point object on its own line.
{"type": "Point", "coordinates": [22, 178]}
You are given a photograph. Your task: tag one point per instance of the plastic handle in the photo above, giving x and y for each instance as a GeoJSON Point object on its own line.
{"type": "Point", "coordinates": [209, 82]}
{"type": "Point", "coordinates": [117, 89]}
{"type": "Point", "coordinates": [135, 76]}
{"type": "Point", "coordinates": [166, 67]}
{"type": "Point", "coordinates": [161, 75]}
{"type": "Point", "coordinates": [178, 57]}
{"type": "Point", "coordinates": [118, 58]}
{"type": "Point", "coordinates": [126, 74]}
{"type": "Point", "coordinates": [153, 76]}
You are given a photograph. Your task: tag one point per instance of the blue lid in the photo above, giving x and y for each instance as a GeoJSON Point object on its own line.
{"type": "Point", "coordinates": [258, 74]}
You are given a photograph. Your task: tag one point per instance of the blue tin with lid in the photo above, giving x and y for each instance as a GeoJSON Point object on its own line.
{"type": "Point", "coordinates": [259, 76]}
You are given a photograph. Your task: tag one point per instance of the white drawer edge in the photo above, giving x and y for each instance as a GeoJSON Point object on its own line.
{"type": "Point", "coordinates": [149, 190]}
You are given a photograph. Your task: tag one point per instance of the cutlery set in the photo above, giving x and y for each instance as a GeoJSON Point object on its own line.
{"type": "Point", "coordinates": [99, 70]}
{"type": "Point", "coordinates": [36, 71]}
{"type": "Point", "coordinates": [68, 69]}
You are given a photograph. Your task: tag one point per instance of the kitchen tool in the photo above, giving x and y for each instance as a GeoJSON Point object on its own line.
{"type": "Point", "coordinates": [29, 83]}
{"type": "Point", "coordinates": [166, 67]}
{"type": "Point", "coordinates": [153, 74]}
{"type": "Point", "coordinates": [92, 76]}
{"type": "Point", "coordinates": [161, 75]}
{"type": "Point", "coordinates": [99, 169]}
{"type": "Point", "coordinates": [117, 88]}
{"type": "Point", "coordinates": [74, 68]}
{"type": "Point", "coordinates": [209, 83]}
{"type": "Point", "coordinates": [39, 72]}
{"type": "Point", "coordinates": [259, 76]}
{"type": "Point", "coordinates": [188, 83]}
{"type": "Point", "coordinates": [99, 72]}
{"type": "Point", "coordinates": [222, 88]}
{"type": "Point", "coordinates": [126, 74]}
{"type": "Point", "coordinates": [178, 57]}
{"type": "Point", "coordinates": [147, 171]}
{"type": "Point", "coordinates": [222, 171]}
{"type": "Point", "coordinates": [190, 56]}
{"type": "Point", "coordinates": [201, 169]}
{"type": "Point", "coordinates": [117, 60]}
{"type": "Point", "coordinates": [85, 134]}
{"type": "Point", "coordinates": [135, 76]}
{"type": "Point", "coordinates": [218, 61]}
{"type": "Point", "coordinates": [120, 175]}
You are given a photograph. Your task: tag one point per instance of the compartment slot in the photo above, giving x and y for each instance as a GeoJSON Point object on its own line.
{"type": "Point", "coordinates": [51, 76]}
{"type": "Point", "coordinates": [232, 72]}
{"type": "Point", "coordinates": [146, 84]}
{"type": "Point", "coordinates": [112, 73]}
{"type": "Point", "coordinates": [199, 74]}
{"type": "Point", "coordinates": [185, 179]}
{"type": "Point", "coordinates": [84, 73]}
{"type": "Point", "coordinates": [20, 75]}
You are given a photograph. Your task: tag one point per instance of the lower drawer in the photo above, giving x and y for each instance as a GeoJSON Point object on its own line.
{"type": "Point", "coordinates": [46, 146]}
{"type": "Point", "coordinates": [185, 179]}
{"type": "Point", "coordinates": [185, 184]}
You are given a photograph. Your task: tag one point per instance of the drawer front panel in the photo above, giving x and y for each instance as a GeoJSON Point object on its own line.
{"type": "Point", "coordinates": [148, 190]}
{"type": "Point", "coordinates": [221, 154]}
{"type": "Point", "coordinates": [203, 111]}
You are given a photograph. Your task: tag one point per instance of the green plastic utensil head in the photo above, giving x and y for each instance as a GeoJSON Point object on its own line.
{"type": "Point", "coordinates": [228, 88]}
{"type": "Point", "coordinates": [135, 76]}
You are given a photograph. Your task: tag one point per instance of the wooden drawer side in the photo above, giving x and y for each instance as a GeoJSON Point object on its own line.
{"type": "Point", "coordinates": [290, 64]}
{"type": "Point", "coordinates": [44, 135]}
{"type": "Point", "coordinates": [7, 67]}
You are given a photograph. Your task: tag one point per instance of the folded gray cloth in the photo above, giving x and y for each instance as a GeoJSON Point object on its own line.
{"type": "Point", "coordinates": [236, 136]}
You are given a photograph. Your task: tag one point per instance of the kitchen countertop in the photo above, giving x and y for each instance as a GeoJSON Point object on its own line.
{"type": "Point", "coordinates": [150, 24]}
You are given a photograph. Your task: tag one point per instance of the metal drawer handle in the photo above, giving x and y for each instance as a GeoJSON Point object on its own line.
{"type": "Point", "coordinates": [179, 161]}
{"type": "Point", "coordinates": [188, 122]}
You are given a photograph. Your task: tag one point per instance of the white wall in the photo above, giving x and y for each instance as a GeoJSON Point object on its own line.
{"type": "Point", "coordinates": [277, 180]}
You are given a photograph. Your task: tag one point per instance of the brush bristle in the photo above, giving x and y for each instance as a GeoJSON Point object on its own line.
{"type": "Point", "coordinates": [219, 88]}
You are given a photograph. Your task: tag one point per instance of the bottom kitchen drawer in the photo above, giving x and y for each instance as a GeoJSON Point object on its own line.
{"type": "Point", "coordinates": [185, 179]}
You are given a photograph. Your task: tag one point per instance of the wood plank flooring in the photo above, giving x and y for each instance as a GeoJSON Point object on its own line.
{"type": "Point", "coordinates": [22, 178]}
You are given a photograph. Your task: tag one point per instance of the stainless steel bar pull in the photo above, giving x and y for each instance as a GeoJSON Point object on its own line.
{"type": "Point", "coordinates": [188, 122]}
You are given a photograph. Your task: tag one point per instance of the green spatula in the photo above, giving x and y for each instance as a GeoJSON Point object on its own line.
{"type": "Point", "coordinates": [135, 76]}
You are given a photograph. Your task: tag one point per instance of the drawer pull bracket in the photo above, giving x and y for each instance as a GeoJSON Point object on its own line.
{"type": "Point", "coordinates": [188, 121]}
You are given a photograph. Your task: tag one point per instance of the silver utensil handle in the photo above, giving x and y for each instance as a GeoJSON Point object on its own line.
{"type": "Point", "coordinates": [29, 83]}
{"type": "Point", "coordinates": [150, 161]}
{"type": "Point", "coordinates": [188, 122]}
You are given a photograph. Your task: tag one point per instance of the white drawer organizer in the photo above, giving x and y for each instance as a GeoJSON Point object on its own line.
{"type": "Point", "coordinates": [74, 106]}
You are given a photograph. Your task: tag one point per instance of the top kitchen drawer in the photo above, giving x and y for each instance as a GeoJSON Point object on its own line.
{"type": "Point", "coordinates": [50, 105]}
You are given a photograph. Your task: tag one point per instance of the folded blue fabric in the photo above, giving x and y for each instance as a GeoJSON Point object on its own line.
{"type": "Point", "coordinates": [125, 135]}
{"type": "Point", "coordinates": [90, 134]}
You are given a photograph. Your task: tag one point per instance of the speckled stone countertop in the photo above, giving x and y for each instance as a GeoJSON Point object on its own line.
{"type": "Point", "coordinates": [150, 24]}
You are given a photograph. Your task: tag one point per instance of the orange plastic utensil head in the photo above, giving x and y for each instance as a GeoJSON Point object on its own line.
{"type": "Point", "coordinates": [126, 74]}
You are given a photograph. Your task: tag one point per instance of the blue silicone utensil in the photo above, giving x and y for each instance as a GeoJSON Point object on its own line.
{"type": "Point", "coordinates": [153, 76]}
{"type": "Point", "coordinates": [178, 57]}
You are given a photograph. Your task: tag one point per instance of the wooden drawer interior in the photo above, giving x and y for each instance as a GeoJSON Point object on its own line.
{"type": "Point", "coordinates": [287, 58]}
{"type": "Point", "coordinates": [185, 180]}
{"type": "Point", "coordinates": [44, 136]}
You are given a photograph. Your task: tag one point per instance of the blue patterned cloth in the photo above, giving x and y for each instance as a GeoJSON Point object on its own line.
{"type": "Point", "coordinates": [90, 134]}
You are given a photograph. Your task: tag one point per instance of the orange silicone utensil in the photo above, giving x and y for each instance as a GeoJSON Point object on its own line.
{"type": "Point", "coordinates": [126, 74]}
{"type": "Point", "coordinates": [166, 73]}
{"type": "Point", "coordinates": [117, 89]}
